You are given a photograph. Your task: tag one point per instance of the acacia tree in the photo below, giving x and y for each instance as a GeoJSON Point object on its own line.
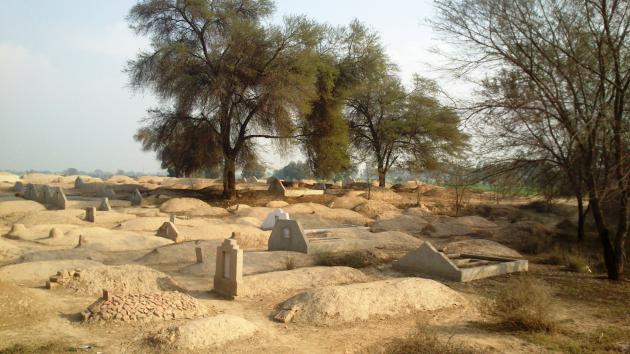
{"type": "Point", "coordinates": [394, 126]}
{"type": "Point", "coordinates": [216, 63]}
{"type": "Point", "coordinates": [346, 54]}
{"type": "Point", "coordinates": [575, 58]}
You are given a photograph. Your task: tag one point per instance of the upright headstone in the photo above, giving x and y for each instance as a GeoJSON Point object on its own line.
{"type": "Point", "coordinates": [276, 186]}
{"type": "Point", "coordinates": [348, 181]}
{"type": "Point", "coordinates": [105, 206]}
{"type": "Point", "coordinates": [199, 254]}
{"type": "Point", "coordinates": [18, 187]}
{"type": "Point", "coordinates": [168, 230]}
{"type": "Point", "coordinates": [228, 275]}
{"type": "Point", "coordinates": [288, 235]}
{"type": "Point", "coordinates": [136, 198]}
{"type": "Point", "coordinates": [270, 220]}
{"type": "Point", "coordinates": [78, 183]}
{"type": "Point", "coordinates": [59, 199]}
{"type": "Point", "coordinates": [81, 241]}
{"type": "Point", "coordinates": [90, 214]}
{"type": "Point", "coordinates": [172, 218]}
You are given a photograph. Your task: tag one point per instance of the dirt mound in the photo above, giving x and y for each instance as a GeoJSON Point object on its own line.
{"type": "Point", "coordinates": [526, 236]}
{"type": "Point", "coordinates": [191, 206]}
{"type": "Point", "coordinates": [36, 273]}
{"type": "Point", "coordinates": [204, 333]}
{"type": "Point", "coordinates": [393, 221]}
{"type": "Point", "coordinates": [19, 306]}
{"type": "Point", "coordinates": [40, 178]}
{"type": "Point", "coordinates": [362, 301]}
{"type": "Point", "coordinates": [19, 206]}
{"type": "Point", "coordinates": [475, 222]}
{"type": "Point", "coordinates": [259, 213]}
{"type": "Point", "coordinates": [298, 279]}
{"type": "Point", "coordinates": [150, 224]}
{"type": "Point", "coordinates": [386, 195]}
{"type": "Point", "coordinates": [123, 279]}
{"type": "Point", "coordinates": [374, 208]}
{"type": "Point", "coordinates": [482, 247]}
{"type": "Point", "coordinates": [118, 179]}
{"type": "Point", "coordinates": [343, 216]}
{"type": "Point", "coordinates": [276, 204]}
{"type": "Point", "coordinates": [9, 177]}
{"type": "Point", "coordinates": [102, 239]}
{"type": "Point", "coordinates": [348, 202]}
{"type": "Point", "coordinates": [446, 226]}
{"type": "Point", "coordinates": [70, 216]}
{"type": "Point", "coordinates": [145, 307]}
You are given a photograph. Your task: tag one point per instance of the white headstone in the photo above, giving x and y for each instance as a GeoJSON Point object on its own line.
{"type": "Point", "coordinates": [270, 220]}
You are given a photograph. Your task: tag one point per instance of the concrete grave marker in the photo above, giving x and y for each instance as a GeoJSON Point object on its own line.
{"type": "Point", "coordinates": [199, 254]}
{"type": "Point", "coordinates": [270, 220]}
{"type": "Point", "coordinates": [228, 276]}
{"type": "Point", "coordinates": [18, 187]}
{"type": "Point", "coordinates": [168, 230]}
{"type": "Point", "coordinates": [136, 198]}
{"type": "Point", "coordinates": [55, 233]}
{"type": "Point", "coordinates": [78, 183]}
{"type": "Point", "coordinates": [288, 235]}
{"type": "Point", "coordinates": [105, 206]}
{"type": "Point", "coordinates": [276, 186]}
{"type": "Point", "coordinates": [30, 192]}
{"type": "Point", "coordinates": [59, 198]}
{"type": "Point", "coordinates": [90, 214]}
{"type": "Point", "coordinates": [172, 218]}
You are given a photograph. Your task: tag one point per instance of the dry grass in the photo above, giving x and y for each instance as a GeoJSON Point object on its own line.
{"type": "Point", "coordinates": [425, 341]}
{"type": "Point", "coordinates": [38, 349]}
{"type": "Point", "coordinates": [524, 304]}
{"type": "Point", "coordinates": [289, 263]}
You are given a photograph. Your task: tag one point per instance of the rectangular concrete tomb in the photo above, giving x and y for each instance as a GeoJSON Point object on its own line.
{"type": "Point", "coordinates": [228, 275]}
{"type": "Point", "coordinates": [288, 235]}
{"type": "Point", "coordinates": [428, 261]}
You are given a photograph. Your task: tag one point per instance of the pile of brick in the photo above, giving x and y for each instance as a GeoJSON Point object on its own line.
{"type": "Point", "coordinates": [144, 307]}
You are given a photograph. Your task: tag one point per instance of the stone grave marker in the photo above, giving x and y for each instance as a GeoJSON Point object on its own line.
{"type": "Point", "coordinates": [270, 220]}
{"type": "Point", "coordinates": [90, 214]}
{"type": "Point", "coordinates": [276, 186]}
{"type": "Point", "coordinates": [288, 235]}
{"type": "Point", "coordinates": [136, 198]}
{"type": "Point", "coordinates": [228, 276]}
{"type": "Point", "coordinates": [18, 187]}
{"type": "Point", "coordinates": [105, 206]}
{"type": "Point", "coordinates": [78, 183]}
{"type": "Point", "coordinates": [168, 230]}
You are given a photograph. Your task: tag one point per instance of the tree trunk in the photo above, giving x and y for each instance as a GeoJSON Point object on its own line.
{"type": "Point", "coordinates": [382, 172]}
{"type": "Point", "coordinates": [229, 177]}
{"type": "Point", "coordinates": [614, 264]}
{"type": "Point", "coordinates": [581, 217]}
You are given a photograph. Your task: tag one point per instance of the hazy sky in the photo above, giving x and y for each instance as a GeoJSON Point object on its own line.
{"type": "Point", "coordinates": [64, 100]}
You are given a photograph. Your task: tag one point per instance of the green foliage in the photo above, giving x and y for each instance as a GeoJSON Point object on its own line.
{"type": "Point", "coordinates": [293, 171]}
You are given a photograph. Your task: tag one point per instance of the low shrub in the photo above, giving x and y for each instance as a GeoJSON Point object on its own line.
{"type": "Point", "coordinates": [524, 304]}
{"type": "Point", "coordinates": [424, 341]}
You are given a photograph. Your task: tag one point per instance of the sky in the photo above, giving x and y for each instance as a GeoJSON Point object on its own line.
{"type": "Point", "coordinates": [65, 100]}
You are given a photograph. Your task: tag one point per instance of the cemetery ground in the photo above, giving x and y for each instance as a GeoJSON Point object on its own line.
{"type": "Point", "coordinates": [140, 277]}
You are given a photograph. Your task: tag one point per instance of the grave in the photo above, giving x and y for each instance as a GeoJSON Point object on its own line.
{"type": "Point", "coordinates": [59, 198]}
{"type": "Point", "coordinates": [90, 214]}
{"type": "Point", "coordinates": [55, 233]}
{"type": "Point", "coordinates": [288, 235]}
{"type": "Point", "coordinates": [168, 230]}
{"type": "Point", "coordinates": [136, 198]}
{"type": "Point", "coordinates": [78, 183]}
{"type": "Point", "coordinates": [199, 254]}
{"type": "Point", "coordinates": [108, 192]}
{"type": "Point", "coordinates": [105, 206]}
{"type": "Point", "coordinates": [31, 192]}
{"type": "Point", "coordinates": [276, 186]}
{"type": "Point", "coordinates": [270, 220]}
{"type": "Point", "coordinates": [18, 187]}
{"type": "Point", "coordinates": [348, 181]}
{"type": "Point", "coordinates": [428, 261]}
{"type": "Point", "coordinates": [228, 276]}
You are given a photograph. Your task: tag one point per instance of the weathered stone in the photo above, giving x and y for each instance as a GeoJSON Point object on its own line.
{"type": "Point", "coordinates": [136, 198]}
{"type": "Point", "coordinates": [199, 254]}
{"type": "Point", "coordinates": [78, 183]}
{"type": "Point", "coordinates": [18, 187]}
{"type": "Point", "coordinates": [47, 195]}
{"type": "Point", "coordinates": [90, 214]}
{"type": "Point", "coordinates": [108, 192]}
{"type": "Point", "coordinates": [55, 233]}
{"type": "Point", "coordinates": [270, 220]}
{"type": "Point", "coordinates": [81, 241]}
{"type": "Point", "coordinates": [30, 192]}
{"type": "Point", "coordinates": [228, 276]}
{"type": "Point", "coordinates": [173, 218]}
{"type": "Point", "coordinates": [59, 199]}
{"type": "Point", "coordinates": [168, 230]}
{"type": "Point", "coordinates": [276, 186]}
{"type": "Point", "coordinates": [288, 235]}
{"type": "Point", "coordinates": [105, 206]}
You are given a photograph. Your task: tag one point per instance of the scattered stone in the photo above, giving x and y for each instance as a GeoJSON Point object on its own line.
{"type": "Point", "coordinates": [148, 307]}
{"type": "Point", "coordinates": [105, 206]}
{"type": "Point", "coordinates": [288, 235]}
{"type": "Point", "coordinates": [168, 230]}
{"type": "Point", "coordinates": [136, 198]}
{"type": "Point", "coordinates": [228, 275]}
{"type": "Point", "coordinates": [90, 214]}
{"type": "Point", "coordinates": [272, 217]}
